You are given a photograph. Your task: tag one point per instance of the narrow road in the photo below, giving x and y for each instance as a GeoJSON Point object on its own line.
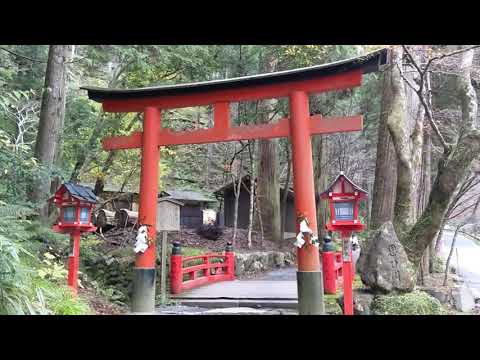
{"type": "Point", "coordinates": [468, 258]}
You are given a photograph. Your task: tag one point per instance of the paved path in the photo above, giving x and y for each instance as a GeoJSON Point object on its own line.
{"type": "Point", "coordinates": [285, 274]}
{"type": "Point", "coordinates": [275, 289]}
{"type": "Point", "coordinates": [468, 258]}
{"type": "Point", "coordinates": [244, 289]}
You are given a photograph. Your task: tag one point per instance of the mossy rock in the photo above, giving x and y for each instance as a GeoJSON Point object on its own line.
{"type": "Point", "coordinates": [331, 304]}
{"type": "Point", "coordinates": [413, 303]}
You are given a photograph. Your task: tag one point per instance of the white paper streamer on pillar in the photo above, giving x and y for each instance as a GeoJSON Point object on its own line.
{"type": "Point", "coordinates": [356, 250]}
{"type": "Point", "coordinates": [142, 240]}
{"type": "Point", "coordinates": [304, 228]}
{"type": "Point", "coordinates": [299, 242]}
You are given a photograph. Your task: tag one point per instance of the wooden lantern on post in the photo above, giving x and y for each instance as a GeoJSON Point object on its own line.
{"type": "Point", "coordinates": [75, 203]}
{"type": "Point", "coordinates": [344, 198]}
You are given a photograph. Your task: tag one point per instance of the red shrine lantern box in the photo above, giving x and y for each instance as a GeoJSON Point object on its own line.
{"type": "Point", "coordinates": [344, 198]}
{"type": "Point", "coordinates": [75, 203]}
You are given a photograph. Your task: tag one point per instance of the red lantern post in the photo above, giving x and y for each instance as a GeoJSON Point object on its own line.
{"type": "Point", "coordinates": [75, 203]}
{"type": "Point", "coordinates": [344, 197]}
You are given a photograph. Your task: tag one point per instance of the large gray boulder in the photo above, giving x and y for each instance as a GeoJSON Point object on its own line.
{"type": "Point", "coordinates": [383, 263]}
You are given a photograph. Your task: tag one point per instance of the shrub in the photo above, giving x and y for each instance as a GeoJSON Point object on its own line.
{"type": "Point", "coordinates": [31, 285]}
{"type": "Point", "coordinates": [414, 303]}
{"type": "Point", "coordinates": [13, 277]}
{"type": "Point", "coordinates": [59, 299]}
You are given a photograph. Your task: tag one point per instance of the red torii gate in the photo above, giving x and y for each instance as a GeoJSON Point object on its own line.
{"type": "Point", "coordinates": [294, 84]}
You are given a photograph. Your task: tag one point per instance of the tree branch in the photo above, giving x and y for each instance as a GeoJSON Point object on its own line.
{"type": "Point", "coordinates": [22, 56]}
{"type": "Point", "coordinates": [419, 92]}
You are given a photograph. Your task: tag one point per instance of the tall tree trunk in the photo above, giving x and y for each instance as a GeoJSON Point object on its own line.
{"type": "Point", "coordinates": [385, 184]}
{"type": "Point", "coordinates": [285, 193]}
{"type": "Point", "coordinates": [251, 152]}
{"type": "Point", "coordinates": [405, 123]}
{"type": "Point", "coordinates": [52, 115]}
{"type": "Point", "coordinates": [320, 145]}
{"type": "Point", "coordinates": [268, 187]}
{"type": "Point", "coordinates": [237, 188]}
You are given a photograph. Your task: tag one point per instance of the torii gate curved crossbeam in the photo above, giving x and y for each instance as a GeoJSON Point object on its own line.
{"type": "Point", "coordinates": [296, 85]}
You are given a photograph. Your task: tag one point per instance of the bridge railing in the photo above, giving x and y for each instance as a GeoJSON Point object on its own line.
{"type": "Point", "coordinates": [185, 277]}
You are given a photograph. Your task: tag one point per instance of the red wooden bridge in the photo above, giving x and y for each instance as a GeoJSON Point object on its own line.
{"type": "Point", "coordinates": [190, 272]}
{"type": "Point", "coordinates": [213, 268]}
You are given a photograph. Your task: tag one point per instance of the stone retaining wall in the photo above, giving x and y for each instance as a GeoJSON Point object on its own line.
{"type": "Point", "coordinates": [257, 262]}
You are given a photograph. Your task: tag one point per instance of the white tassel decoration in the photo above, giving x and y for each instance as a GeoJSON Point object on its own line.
{"type": "Point", "coordinates": [142, 244]}
{"type": "Point", "coordinates": [299, 242]}
{"type": "Point", "coordinates": [304, 228]}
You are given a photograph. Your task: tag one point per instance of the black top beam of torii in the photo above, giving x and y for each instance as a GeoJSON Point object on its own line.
{"type": "Point", "coordinates": [368, 63]}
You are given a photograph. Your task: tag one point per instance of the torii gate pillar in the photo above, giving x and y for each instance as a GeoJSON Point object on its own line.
{"type": "Point", "coordinates": [309, 277]}
{"type": "Point", "coordinates": [144, 271]}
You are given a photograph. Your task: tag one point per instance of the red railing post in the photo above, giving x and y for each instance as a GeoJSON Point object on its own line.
{"type": "Point", "coordinates": [339, 260]}
{"type": "Point", "coordinates": [208, 271]}
{"type": "Point", "coordinates": [329, 268]}
{"type": "Point", "coordinates": [329, 272]}
{"type": "Point", "coordinates": [176, 265]}
{"type": "Point", "coordinates": [230, 261]}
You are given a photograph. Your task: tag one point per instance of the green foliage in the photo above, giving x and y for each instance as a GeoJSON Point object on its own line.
{"type": "Point", "coordinates": [331, 305]}
{"type": "Point", "coordinates": [53, 269]}
{"type": "Point", "coordinates": [29, 285]}
{"type": "Point", "coordinates": [357, 282]}
{"type": "Point", "coordinates": [27, 74]}
{"type": "Point", "coordinates": [59, 299]}
{"type": "Point", "coordinates": [414, 303]}
{"type": "Point", "coordinates": [13, 278]}
{"type": "Point", "coordinates": [19, 170]}
{"type": "Point", "coordinates": [15, 211]}
{"type": "Point", "coordinates": [112, 294]}
{"type": "Point", "coordinates": [90, 246]}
